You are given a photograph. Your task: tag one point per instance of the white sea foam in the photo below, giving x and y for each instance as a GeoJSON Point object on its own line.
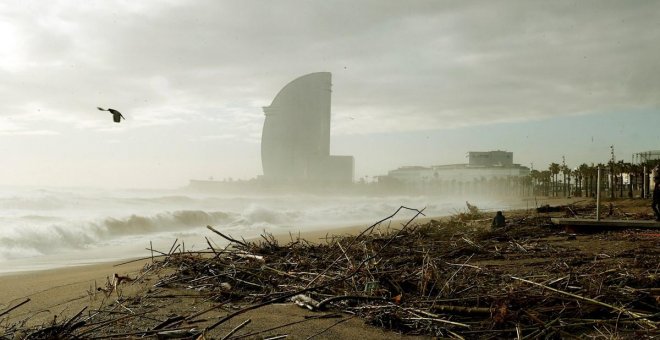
{"type": "Point", "coordinates": [35, 223]}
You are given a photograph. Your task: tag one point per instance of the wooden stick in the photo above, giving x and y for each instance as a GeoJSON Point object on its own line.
{"type": "Point", "coordinates": [331, 282]}
{"type": "Point", "coordinates": [227, 237]}
{"type": "Point", "coordinates": [12, 308]}
{"type": "Point", "coordinates": [172, 247]}
{"type": "Point", "coordinates": [462, 309]}
{"type": "Point", "coordinates": [314, 317]}
{"type": "Point", "coordinates": [436, 317]}
{"type": "Point", "coordinates": [277, 337]}
{"type": "Point", "coordinates": [321, 305]}
{"type": "Point", "coordinates": [143, 333]}
{"type": "Point", "coordinates": [596, 302]}
{"type": "Point", "coordinates": [210, 246]}
{"type": "Point", "coordinates": [243, 324]}
{"type": "Point", "coordinates": [163, 255]}
{"type": "Point", "coordinates": [371, 227]}
{"type": "Point", "coordinates": [68, 323]}
{"type": "Point", "coordinates": [105, 323]}
{"type": "Point", "coordinates": [327, 328]}
{"type": "Point", "coordinates": [343, 251]}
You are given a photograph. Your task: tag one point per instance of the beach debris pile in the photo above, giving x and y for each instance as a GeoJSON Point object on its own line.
{"type": "Point", "coordinates": [454, 277]}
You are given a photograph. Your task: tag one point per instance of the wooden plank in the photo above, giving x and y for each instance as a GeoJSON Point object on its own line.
{"type": "Point", "coordinates": [594, 225]}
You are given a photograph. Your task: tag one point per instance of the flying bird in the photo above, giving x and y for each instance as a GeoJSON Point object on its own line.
{"type": "Point", "coordinates": [116, 115]}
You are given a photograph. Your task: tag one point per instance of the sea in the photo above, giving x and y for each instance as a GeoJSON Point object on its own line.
{"type": "Point", "coordinates": [45, 228]}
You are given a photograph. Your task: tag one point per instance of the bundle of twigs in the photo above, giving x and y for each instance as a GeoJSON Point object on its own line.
{"type": "Point", "coordinates": [449, 278]}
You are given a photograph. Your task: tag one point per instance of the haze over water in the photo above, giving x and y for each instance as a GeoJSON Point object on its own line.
{"type": "Point", "coordinates": [43, 228]}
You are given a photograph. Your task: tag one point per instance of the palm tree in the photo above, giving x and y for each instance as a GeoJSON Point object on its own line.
{"type": "Point", "coordinates": [583, 172]}
{"type": "Point", "coordinates": [623, 169]}
{"type": "Point", "coordinates": [546, 178]}
{"type": "Point", "coordinates": [633, 170]}
{"type": "Point", "coordinates": [569, 173]}
{"type": "Point", "coordinates": [566, 172]}
{"type": "Point", "coordinates": [598, 166]}
{"type": "Point", "coordinates": [528, 185]}
{"type": "Point", "coordinates": [554, 171]}
{"type": "Point", "coordinates": [613, 178]}
{"type": "Point", "coordinates": [534, 177]}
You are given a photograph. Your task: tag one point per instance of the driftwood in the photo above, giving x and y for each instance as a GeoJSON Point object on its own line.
{"type": "Point", "coordinates": [448, 278]}
{"type": "Point", "coordinates": [548, 208]}
{"type": "Point", "coordinates": [12, 308]}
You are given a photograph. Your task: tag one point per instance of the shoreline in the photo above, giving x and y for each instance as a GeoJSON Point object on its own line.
{"type": "Point", "coordinates": [79, 276]}
{"type": "Point", "coordinates": [61, 292]}
{"type": "Point", "coordinates": [65, 290]}
{"type": "Point", "coordinates": [64, 261]}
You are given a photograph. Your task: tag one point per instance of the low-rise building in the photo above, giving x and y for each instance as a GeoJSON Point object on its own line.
{"type": "Point", "coordinates": [484, 172]}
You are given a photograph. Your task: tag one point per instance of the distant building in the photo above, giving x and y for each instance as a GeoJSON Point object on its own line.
{"type": "Point", "coordinates": [646, 156]}
{"type": "Point", "coordinates": [481, 167]}
{"type": "Point", "coordinates": [295, 143]}
{"type": "Point", "coordinates": [491, 158]}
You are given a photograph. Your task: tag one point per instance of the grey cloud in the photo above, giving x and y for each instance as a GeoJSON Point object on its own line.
{"type": "Point", "coordinates": [396, 65]}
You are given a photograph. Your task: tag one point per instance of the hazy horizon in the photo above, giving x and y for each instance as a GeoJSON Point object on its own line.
{"type": "Point", "coordinates": [419, 83]}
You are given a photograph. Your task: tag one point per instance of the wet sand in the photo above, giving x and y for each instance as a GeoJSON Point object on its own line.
{"type": "Point", "coordinates": [43, 284]}
{"type": "Point", "coordinates": [65, 291]}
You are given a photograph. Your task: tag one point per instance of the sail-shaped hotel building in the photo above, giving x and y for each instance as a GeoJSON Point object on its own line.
{"type": "Point", "coordinates": [295, 143]}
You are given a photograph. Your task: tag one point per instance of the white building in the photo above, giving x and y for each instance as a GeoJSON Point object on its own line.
{"type": "Point", "coordinates": [482, 166]}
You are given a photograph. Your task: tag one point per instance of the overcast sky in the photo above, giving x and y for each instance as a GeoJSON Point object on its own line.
{"type": "Point", "coordinates": [414, 83]}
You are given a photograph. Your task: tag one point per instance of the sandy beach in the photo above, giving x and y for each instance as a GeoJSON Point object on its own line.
{"type": "Point", "coordinates": [63, 292]}
{"type": "Point", "coordinates": [60, 293]}
{"type": "Point", "coordinates": [50, 288]}
{"type": "Point", "coordinates": [17, 285]}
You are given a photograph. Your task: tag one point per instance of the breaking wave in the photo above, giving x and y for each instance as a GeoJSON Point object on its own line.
{"type": "Point", "coordinates": [31, 239]}
{"type": "Point", "coordinates": [55, 221]}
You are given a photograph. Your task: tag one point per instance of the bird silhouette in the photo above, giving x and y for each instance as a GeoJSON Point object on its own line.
{"type": "Point", "coordinates": [116, 115]}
